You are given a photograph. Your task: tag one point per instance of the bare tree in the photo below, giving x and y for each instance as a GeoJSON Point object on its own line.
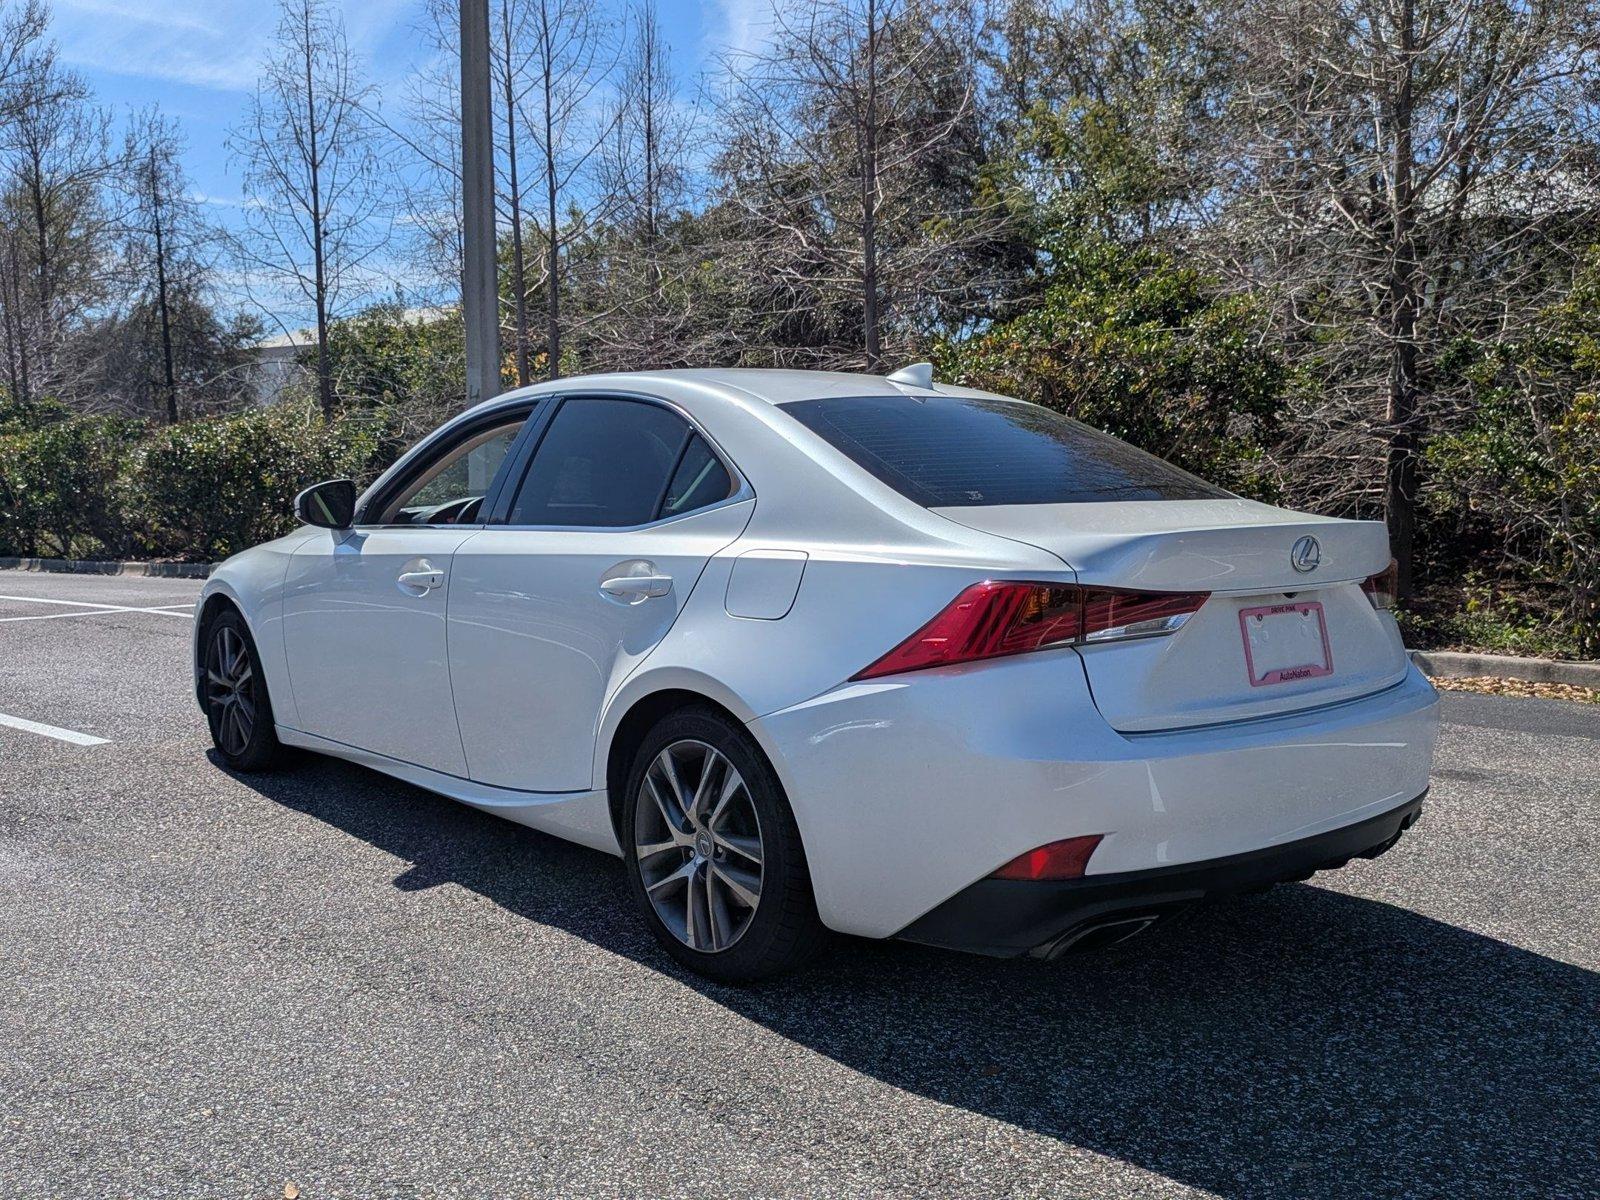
{"type": "Point", "coordinates": [22, 26]}
{"type": "Point", "coordinates": [312, 172]}
{"type": "Point", "coordinates": [12, 306]}
{"type": "Point", "coordinates": [643, 174]}
{"type": "Point", "coordinates": [571, 54]}
{"type": "Point", "coordinates": [428, 176]}
{"type": "Point", "coordinates": [849, 139]}
{"type": "Point", "coordinates": [166, 236]}
{"type": "Point", "coordinates": [57, 160]}
{"type": "Point", "coordinates": [1403, 170]}
{"type": "Point", "coordinates": [644, 167]}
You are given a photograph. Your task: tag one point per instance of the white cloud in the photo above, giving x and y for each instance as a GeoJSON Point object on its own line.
{"type": "Point", "coordinates": [167, 41]}
{"type": "Point", "coordinates": [215, 201]}
{"type": "Point", "coordinates": [219, 46]}
{"type": "Point", "coordinates": [745, 28]}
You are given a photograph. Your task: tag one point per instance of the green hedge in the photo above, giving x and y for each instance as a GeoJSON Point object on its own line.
{"type": "Point", "coordinates": [210, 488]}
{"type": "Point", "coordinates": [63, 488]}
{"type": "Point", "coordinates": [105, 487]}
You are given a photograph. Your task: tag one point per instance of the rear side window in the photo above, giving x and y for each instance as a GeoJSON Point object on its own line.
{"type": "Point", "coordinates": [949, 451]}
{"type": "Point", "coordinates": [700, 479]}
{"type": "Point", "coordinates": [614, 463]}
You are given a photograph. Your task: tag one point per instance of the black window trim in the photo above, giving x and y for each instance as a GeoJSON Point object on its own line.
{"type": "Point", "coordinates": [506, 498]}
{"type": "Point", "coordinates": [444, 441]}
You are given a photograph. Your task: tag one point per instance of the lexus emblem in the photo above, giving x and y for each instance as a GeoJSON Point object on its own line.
{"type": "Point", "coordinates": [1305, 554]}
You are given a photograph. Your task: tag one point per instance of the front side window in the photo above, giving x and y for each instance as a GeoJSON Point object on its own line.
{"type": "Point", "coordinates": [948, 451]}
{"type": "Point", "coordinates": [450, 490]}
{"type": "Point", "coordinates": [614, 463]}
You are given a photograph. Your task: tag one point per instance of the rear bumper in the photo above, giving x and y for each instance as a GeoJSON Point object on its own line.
{"type": "Point", "coordinates": [1006, 917]}
{"type": "Point", "coordinates": [908, 790]}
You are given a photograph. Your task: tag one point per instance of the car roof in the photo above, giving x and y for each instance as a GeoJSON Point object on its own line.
{"type": "Point", "coordinates": [772, 385]}
{"type": "Point", "coordinates": [777, 386]}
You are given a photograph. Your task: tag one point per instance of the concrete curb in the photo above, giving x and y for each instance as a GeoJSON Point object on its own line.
{"type": "Point", "coordinates": [83, 566]}
{"type": "Point", "coordinates": [1446, 664]}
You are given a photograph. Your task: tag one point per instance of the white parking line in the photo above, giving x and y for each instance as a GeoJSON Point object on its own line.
{"type": "Point", "coordinates": [92, 610]}
{"type": "Point", "coordinates": [88, 604]}
{"type": "Point", "coordinates": [53, 731]}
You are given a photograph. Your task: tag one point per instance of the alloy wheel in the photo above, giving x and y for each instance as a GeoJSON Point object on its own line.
{"type": "Point", "coordinates": [229, 689]}
{"type": "Point", "coordinates": [698, 842]}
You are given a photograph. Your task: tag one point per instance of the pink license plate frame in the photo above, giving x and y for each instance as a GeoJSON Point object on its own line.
{"type": "Point", "coordinates": [1293, 673]}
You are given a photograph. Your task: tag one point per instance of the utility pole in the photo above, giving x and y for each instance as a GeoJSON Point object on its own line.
{"type": "Point", "coordinates": [480, 293]}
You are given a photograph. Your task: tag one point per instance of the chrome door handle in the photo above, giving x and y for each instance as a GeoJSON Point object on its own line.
{"type": "Point", "coordinates": [424, 581]}
{"type": "Point", "coordinates": [649, 582]}
{"type": "Point", "coordinates": [637, 585]}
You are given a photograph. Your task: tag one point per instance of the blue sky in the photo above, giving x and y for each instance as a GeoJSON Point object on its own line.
{"type": "Point", "coordinates": [198, 60]}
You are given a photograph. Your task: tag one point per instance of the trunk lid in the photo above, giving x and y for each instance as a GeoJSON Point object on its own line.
{"type": "Point", "coordinates": [1184, 545]}
{"type": "Point", "coordinates": [1243, 553]}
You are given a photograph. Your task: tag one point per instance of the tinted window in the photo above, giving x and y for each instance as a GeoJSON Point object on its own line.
{"type": "Point", "coordinates": [700, 479]}
{"type": "Point", "coordinates": [948, 451]}
{"type": "Point", "coordinates": [601, 462]}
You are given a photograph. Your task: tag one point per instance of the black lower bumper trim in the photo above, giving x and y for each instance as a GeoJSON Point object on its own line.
{"type": "Point", "coordinates": [1007, 917]}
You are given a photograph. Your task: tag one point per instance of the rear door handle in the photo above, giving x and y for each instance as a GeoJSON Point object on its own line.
{"type": "Point", "coordinates": [648, 582]}
{"type": "Point", "coordinates": [423, 581]}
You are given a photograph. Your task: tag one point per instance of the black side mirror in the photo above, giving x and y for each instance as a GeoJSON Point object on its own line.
{"type": "Point", "coordinates": [328, 505]}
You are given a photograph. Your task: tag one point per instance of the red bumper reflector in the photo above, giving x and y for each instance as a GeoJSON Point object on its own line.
{"type": "Point", "coordinates": [1065, 859]}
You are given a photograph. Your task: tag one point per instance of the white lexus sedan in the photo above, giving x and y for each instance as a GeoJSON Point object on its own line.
{"type": "Point", "coordinates": [827, 651]}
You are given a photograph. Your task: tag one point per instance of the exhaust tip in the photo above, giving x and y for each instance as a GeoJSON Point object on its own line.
{"type": "Point", "coordinates": [1098, 935]}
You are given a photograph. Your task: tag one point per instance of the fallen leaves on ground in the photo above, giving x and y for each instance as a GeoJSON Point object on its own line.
{"type": "Point", "coordinates": [1526, 689]}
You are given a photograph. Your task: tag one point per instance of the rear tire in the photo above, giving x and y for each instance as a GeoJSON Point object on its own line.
{"type": "Point", "coordinates": [238, 708]}
{"type": "Point", "coordinates": [713, 853]}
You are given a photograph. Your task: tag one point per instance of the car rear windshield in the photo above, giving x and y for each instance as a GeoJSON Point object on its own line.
{"type": "Point", "coordinates": [948, 451]}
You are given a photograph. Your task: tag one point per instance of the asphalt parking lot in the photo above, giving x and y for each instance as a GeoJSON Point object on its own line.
{"type": "Point", "coordinates": [218, 986]}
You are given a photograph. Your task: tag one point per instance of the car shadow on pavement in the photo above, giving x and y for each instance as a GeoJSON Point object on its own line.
{"type": "Point", "coordinates": [1300, 1043]}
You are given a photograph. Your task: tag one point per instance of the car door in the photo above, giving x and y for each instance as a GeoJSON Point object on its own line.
{"type": "Point", "coordinates": [364, 610]}
{"type": "Point", "coordinates": [601, 543]}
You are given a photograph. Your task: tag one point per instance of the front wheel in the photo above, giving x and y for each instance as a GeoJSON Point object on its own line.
{"type": "Point", "coordinates": [238, 709]}
{"type": "Point", "coordinates": [713, 853]}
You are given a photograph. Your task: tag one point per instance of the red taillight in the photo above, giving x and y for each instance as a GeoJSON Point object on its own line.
{"type": "Point", "coordinates": [1381, 588]}
{"type": "Point", "coordinates": [1065, 859]}
{"type": "Point", "coordinates": [1001, 617]}
{"type": "Point", "coordinates": [986, 621]}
